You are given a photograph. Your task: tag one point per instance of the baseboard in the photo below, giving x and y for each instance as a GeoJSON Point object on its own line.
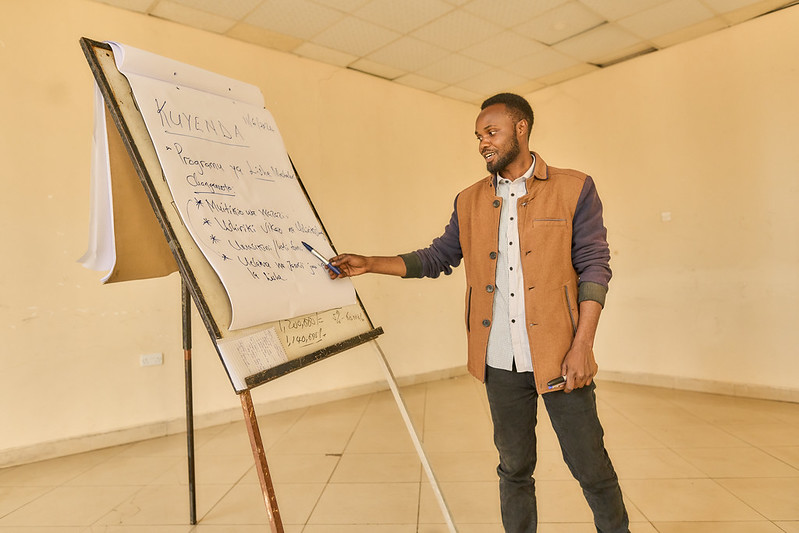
{"type": "Point", "coordinates": [759, 392]}
{"type": "Point", "coordinates": [86, 443]}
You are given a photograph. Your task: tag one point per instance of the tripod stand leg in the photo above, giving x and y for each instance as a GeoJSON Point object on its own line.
{"type": "Point", "coordinates": [270, 500]}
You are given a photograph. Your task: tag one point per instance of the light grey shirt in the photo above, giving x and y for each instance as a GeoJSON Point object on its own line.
{"type": "Point", "coordinates": [508, 339]}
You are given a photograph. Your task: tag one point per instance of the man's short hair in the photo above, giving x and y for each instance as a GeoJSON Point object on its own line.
{"type": "Point", "coordinates": [518, 108]}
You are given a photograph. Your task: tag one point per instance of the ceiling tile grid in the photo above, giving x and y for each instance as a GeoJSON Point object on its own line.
{"type": "Point", "coordinates": [462, 49]}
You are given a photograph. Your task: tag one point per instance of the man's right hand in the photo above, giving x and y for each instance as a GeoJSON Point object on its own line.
{"type": "Point", "coordinates": [349, 265]}
{"type": "Point", "coordinates": [355, 265]}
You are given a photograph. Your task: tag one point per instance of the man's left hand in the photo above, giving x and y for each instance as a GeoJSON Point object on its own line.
{"type": "Point", "coordinates": [579, 367]}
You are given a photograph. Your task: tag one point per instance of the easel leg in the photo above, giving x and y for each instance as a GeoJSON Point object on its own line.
{"type": "Point", "coordinates": [392, 383]}
{"type": "Point", "coordinates": [270, 500]}
{"type": "Point", "coordinates": [186, 308]}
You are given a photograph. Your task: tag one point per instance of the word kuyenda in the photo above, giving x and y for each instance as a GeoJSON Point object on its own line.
{"type": "Point", "coordinates": [194, 123]}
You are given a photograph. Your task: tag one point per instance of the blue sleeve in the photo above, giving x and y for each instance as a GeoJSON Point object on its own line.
{"type": "Point", "coordinates": [590, 250]}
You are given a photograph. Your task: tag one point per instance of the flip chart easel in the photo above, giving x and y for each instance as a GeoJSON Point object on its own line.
{"type": "Point", "coordinates": [349, 326]}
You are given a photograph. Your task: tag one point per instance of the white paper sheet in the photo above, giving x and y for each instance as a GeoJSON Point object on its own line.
{"type": "Point", "coordinates": [101, 252]}
{"type": "Point", "coordinates": [234, 187]}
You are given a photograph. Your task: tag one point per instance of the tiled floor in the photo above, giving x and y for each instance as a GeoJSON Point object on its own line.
{"type": "Point", "coordinates": [688, 462]}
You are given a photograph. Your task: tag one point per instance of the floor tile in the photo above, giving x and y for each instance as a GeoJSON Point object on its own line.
{"type": "Point", "coordinates": [172, 445]}
{"type": "Point", "coordinates": [562, 501]}
{"type": "Point", "coordinates": [378, 468]}
{"type": "Point", "coordinates": [464, 466]}
{"type": "Point", "coordinates": [138, 529]}
{"type": "Point", "coordinates": [217, 469]}
{"type": "Point", "coordinates": [371, 503]}
{"type": "Point", "coordinates": [244, 504]}
{"type": "Point", "coordinates": [162, 505]}
{"type": "Point", "coordinates": [69, 506]}
{"type": "Point", "coordinates": [127, 470]}
{"type": "Point", "coordinates": [642, 527]}
{"type": "Point", "coordinates": [464, 439]}
{"type": "Point", "coordinates": [232, 440]}
{"type": "Point", "coordinates": [789, 454]}
{"type": "Point", "coordinates": [550, 466]}
{"type": "Point", "coordinates": [676, 500]}
{"type": "Point", "coordinates": [717, 527]}
{"type": "Point", "coordinates": [298, 468]}
{"type": "Point", "coordinates": [695, 436]}
{"type": "Point", "coordinates": [630, 437]}
{"type": "Point", "coordinates": [352, 528]}
{"type": "Point", "coordinates": [462, 528]}
{"type": "Point", "coordinates": [229, 528]}
{"type": "Point", "coordinates": [54, 472]}
{"type": "Point", "coordinates": [765, 434]}
{"type": "Point", "coordinates": [663, 416]}
{"type": "Point", "coordinates": [737, 462]}
{"type": "Point", "coordinates": [375, 435]}
{"type": "Point", "coordinates": [43, 529]}
{"type": "Point", "coordinates": [12, 498]}
{"type": "Point", "coordinates": [654, 463]}
{"type": "Point", "coordinates": [775, 498]}
{"type": "Point", "coordinates": [468, 502]}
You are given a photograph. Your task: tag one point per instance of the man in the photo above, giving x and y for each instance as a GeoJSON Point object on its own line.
{"type": "Point", "coordinates": [536, 256]}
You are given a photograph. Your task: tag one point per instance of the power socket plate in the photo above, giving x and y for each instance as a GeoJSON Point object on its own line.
{"type": "Point", "coordinates": [151, 359]}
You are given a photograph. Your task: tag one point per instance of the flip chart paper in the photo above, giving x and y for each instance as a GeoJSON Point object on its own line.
{"type": "Point", "coordinates": [235, 189]}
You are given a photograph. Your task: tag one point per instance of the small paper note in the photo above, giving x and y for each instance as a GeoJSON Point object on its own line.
{"type": "Point", "coordinates": [249, 355]}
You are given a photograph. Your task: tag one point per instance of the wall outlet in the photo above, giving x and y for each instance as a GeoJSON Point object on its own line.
{"type": "Point", "coordinates": [151, 359]}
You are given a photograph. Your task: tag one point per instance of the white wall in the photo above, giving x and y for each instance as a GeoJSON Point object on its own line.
{"type": "Point", "coordinates": [708, 132]}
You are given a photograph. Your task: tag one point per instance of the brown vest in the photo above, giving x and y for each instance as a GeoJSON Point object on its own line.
{"type": "Point", "coordinates": [550, 281]}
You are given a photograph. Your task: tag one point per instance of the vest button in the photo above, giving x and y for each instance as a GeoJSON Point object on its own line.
{"type": "Point", "coordinates": [496, 203]}
{"type": "Point", "coordinates": [493, 255]}
{"type": "Point", "coordinates": [486, 322]}
{"type": "Point", "coordinates": [489, 288]}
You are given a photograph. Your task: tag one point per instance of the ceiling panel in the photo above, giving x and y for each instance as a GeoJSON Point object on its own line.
{"type": "Point", "coordinates": [503, 48]}
{"type": "Point", "coordinates": [542, 63]}
{"type": "Point", "coordinates": [457, 30]}
{"type": "Point", "coordinates": [404, 16]}
{"type": "Point", "coordinates": [597, 43]}
{"type": "Point", "coordinates": [508, 13]}
{"type": "Point", "coordinates": [193, 17]}
{"type": "Point", "coordinates": [325, 54]}
{"type": "Point", "coordinates": [235, 9]}
{"type": "Point", "coordinates": [560, 23]}
{"type": "Point", "coordinates": [616, 9]}
{"type": "Point", "coordinates": [666, 18]}
{"type": "Point", "coordinates": [492, 81]}
{"type": "Point", "coordinates": [409, 54]}
{"type": "Point", "coordinates": [454, 68]}
{"type": "Point", "coordinates": [420, 82]}
{"type": "Point", "coordinates": [298, 18]}
{"type": "Point", "coordinates": [463, 49]}
{"type": "Point", "coordinates": [355, 36]}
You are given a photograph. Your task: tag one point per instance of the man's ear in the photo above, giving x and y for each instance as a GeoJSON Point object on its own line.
{"type": "Point", "coordinates": [522, 128]}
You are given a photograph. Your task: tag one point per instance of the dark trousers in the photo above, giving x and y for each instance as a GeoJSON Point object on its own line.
{"type": "Point", "coordinates": [513, 401]}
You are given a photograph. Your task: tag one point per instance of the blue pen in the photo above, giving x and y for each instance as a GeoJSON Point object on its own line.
{"type": "Point", "coordinates": [321, 258]}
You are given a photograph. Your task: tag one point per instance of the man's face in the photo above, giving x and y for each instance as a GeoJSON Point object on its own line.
{"type": "Point", "coordinates": [496, 134]}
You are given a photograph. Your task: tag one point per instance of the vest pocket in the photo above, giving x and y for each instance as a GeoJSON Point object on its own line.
{"type": "Point", "coordinates": [569, 308]}
{"type": "Point", "coordinates": [549, 222]}
{"type": "Point", "coordinates": [468, 307]}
